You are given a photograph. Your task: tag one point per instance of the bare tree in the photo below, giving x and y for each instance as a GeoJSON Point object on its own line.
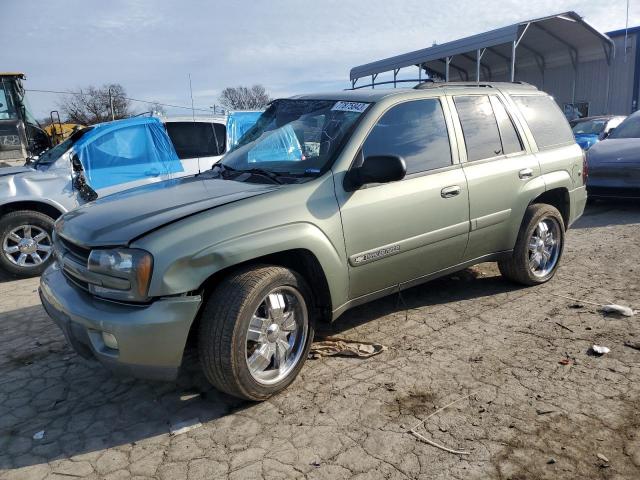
{"type": "Point", "coordinates": [93, 105]}
{"type": "Point", "coordinates": [157, 108]}
{"type": "Point", "coordinates": [244, 98]}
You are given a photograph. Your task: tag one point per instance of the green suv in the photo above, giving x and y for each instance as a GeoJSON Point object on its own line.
{"type": "Point", "coordinates": [328, 202]}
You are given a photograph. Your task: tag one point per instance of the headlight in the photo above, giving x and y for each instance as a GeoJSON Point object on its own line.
{"type": "Point", "coordinates": [125, 273]}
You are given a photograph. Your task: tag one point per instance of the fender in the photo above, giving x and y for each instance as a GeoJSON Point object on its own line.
{"type": "Point", "coordinates": [190, 272]}
{"type": "Point", "coordinates": [558, 179]}
{"type": "Point", "coordinates": [6, 203]}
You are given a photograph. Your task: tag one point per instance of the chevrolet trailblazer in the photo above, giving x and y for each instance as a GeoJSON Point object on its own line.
{"type": "Point", "coordinates": [329, 201]}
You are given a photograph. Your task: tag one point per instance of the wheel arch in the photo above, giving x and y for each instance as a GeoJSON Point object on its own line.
{"type": "Point", "coordinates": [54, 211]}
{"type": "Point", "coordinates": [559, 198]}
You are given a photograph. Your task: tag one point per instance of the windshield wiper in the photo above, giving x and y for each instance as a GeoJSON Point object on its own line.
{"type": "Point", "coordinates": [265, 173]}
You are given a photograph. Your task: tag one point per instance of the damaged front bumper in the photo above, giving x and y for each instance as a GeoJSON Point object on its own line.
{"type": "Point", "coordinates": [149, 340]}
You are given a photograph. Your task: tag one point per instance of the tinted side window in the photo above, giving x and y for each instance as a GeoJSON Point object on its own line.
{"type": "Point", "coordinates": [545, 119]}
{"type": "Point", "coordinates": [416, 131]}
{"type": "Point", "coordinates": [193, 139]}
{"type": "Point", "coordinates": [221, 137]}
{"type": "Point", "coordinates": [510, 140]}
{"type": "Point", "coordinates": [479, 127]}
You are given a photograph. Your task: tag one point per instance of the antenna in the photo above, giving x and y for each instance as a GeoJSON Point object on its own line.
{"type": "Point", "coordinates": [626, 33]}
{"type": "Point", "coordinates": [193, 112]}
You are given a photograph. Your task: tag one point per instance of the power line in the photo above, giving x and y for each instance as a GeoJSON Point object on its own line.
{"type": "Point", "coordinates": [126, 98]}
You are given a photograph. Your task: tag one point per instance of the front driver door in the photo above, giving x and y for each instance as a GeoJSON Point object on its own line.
{"type": "Point", "coordinates": [399, 231]}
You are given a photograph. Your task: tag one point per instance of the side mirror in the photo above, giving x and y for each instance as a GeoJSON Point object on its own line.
{"type": "Point", "coordinates": [376, 169]}
{"type": "Point", "coordinates": [605, 134]}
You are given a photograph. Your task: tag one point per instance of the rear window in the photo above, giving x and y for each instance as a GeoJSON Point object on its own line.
{"type": "Point", "coordinates": [546, 121]}
{"type": "Point", "coordinates": [197, 139]}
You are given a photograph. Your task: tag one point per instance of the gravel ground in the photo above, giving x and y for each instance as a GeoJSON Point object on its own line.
{"type": "Point", "coordinates": [543, 407]}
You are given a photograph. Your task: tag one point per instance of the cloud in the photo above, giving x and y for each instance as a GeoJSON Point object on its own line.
{"type": "Point", "coordinates": [290, 46]}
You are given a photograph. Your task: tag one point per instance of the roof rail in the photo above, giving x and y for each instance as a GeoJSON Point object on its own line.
{"type": "Point", "coordinates": [427, 85]}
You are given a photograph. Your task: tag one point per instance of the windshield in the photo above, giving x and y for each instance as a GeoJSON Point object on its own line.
{"type": "Point", "coordinates": [54, 153]}
{"type": "Point", "coordinates": [629, 128]}
{"type": "Point", "coordinates": [8, 108]}
{"type": "Point", "coordinates": [589, 127]}
{"type": "Point", "coordinates": [295, 137]}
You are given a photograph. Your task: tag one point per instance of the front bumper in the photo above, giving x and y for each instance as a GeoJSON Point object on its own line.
{"type": "Point", "coordinates": [151, 338]}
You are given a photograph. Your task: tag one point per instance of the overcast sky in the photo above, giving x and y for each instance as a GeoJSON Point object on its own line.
{"type": "Point", "coordinates": [290, 46]}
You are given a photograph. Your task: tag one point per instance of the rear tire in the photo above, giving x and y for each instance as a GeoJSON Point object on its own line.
{"type": "Point", "coordinates": [539, 247]}
{"type": "Point", "coordinates": [256, 331]}
{"type": "Point", "coordinates": [26, 249]}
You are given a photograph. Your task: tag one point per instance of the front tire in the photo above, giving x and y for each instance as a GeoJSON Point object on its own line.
{"type": "Point", "coordinates": [256, 331]}
{"type": "Point", "coordinates": [539, 247]}
{"type": "Point", "coordinates": [26, 249]}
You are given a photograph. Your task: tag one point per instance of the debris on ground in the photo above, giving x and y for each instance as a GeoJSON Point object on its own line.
{"type": "Point", "coordinates": [184, 426]}
{"type": "Point", "coordinates": [618, 309]}
{"type": "Point", "coordinates": [551, 461]}
{"type": "Point", "coordinates": [544, 412]}
{"type": "Point", "coordinates": [600, 350]}
{"type": "Point", "coordinates": [413, 432]}
{"type": "Point", "coordinates": [605, 308]}
{"type": "Point", "coordinates": [602, 457]}
{"type": "Point", "coordinates": [344, 347]}
{"type": "Point", "coordinates": [634, 345]}
{"type": "Point", "coordinates": [566, 361]}
{"type": "Point", "coordinates": [38, 435]}
{"type": "Point", "coordinates": [564, 326]}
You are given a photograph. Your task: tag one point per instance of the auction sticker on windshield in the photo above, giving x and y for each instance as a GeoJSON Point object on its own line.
{"type": "Point", "coordinates": [343, 106]}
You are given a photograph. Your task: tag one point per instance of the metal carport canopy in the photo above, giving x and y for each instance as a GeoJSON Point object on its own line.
{"type": "Point", "coordinates": [549, 41]}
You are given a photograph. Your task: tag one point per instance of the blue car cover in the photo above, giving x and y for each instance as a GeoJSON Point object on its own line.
{"type": "Point", "coordinates": [237, 125]}
{"type": "Point", "coordinates": [126, 150]}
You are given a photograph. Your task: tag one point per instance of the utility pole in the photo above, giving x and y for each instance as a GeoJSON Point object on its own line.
{"type": "Point", "coordinates": [113, 116]}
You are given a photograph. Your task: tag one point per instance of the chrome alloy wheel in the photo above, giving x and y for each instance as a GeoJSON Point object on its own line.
{"type": "Point", "coordinates": [277, 335]}
{"type": "Point", "coordinates": [544, 247]}
{"type": "Point", "coordinates": [27, 246]}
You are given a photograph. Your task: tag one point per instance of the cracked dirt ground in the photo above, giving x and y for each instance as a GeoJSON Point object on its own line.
{"type": "Point", "coordinates": [532, 417]}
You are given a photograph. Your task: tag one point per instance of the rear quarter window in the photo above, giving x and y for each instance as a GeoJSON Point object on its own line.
{"type": "Point", "coordinates": [545, 119]}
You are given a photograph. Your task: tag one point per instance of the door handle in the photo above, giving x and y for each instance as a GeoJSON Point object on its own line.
{"type": "Point", "coordinates": [525, 173]}
{"type": "Point", "coordinates": [452, 191]}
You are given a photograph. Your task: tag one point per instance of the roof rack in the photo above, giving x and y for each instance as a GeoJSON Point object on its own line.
{"type": "Point", "coordinates": [427, 85]}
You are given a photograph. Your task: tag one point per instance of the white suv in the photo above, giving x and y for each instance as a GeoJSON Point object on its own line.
{"type": "Point", "coordinates": [199, 141]}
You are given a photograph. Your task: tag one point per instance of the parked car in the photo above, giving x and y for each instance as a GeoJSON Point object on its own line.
{"type": "Point", "coordinates": [95, 162]}
{"type": "Point", "coordinates": [199, 141]}
{"type": "Point", "coordinates": [614, 163]}
{"type": "Point", "coordinates": [590, 130]}
{"type": "Point", "coordinates": [328, 202]}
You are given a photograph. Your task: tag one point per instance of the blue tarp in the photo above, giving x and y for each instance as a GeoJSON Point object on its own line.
{"type": "Point", "coordinates": [237, 124]}
{"type": "Point", "coordinates": [122, 151]}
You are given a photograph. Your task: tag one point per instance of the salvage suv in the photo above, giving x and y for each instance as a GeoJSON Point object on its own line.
{"type": "Point", "coordinates": [328, 202]}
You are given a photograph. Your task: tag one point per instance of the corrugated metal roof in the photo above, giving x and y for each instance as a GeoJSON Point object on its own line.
{"type": "Point", "coordinates": [554, 39]}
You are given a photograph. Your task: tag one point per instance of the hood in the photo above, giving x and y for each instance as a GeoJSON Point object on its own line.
{"type": "Point", "coordinates": [14, 170]}
{"type": "Point", "coordinates": [615, 150]}
{"type": "Point", "coordinates": [586, 140]}
{"type": "Point", "coordinates": [120, 218]}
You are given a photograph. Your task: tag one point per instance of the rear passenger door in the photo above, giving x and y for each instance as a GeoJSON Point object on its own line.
{"type": "Point", "coordinates": [502, 174]}
{"type": "Point", "coordinates": [396, 232]}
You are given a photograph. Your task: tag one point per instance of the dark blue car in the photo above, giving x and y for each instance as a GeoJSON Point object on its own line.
{"type": "Point", "coordinates": [614, 163]}
{"type": "Point", "coordinates": [589, 130]}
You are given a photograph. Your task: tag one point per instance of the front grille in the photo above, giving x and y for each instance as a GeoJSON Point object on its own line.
{"type": "Point", "coordinates": [76, 281]}
{"type": "Point", "coordinates": [80, 254]}
{"type": "Point", "coordinates": [72, 259]}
